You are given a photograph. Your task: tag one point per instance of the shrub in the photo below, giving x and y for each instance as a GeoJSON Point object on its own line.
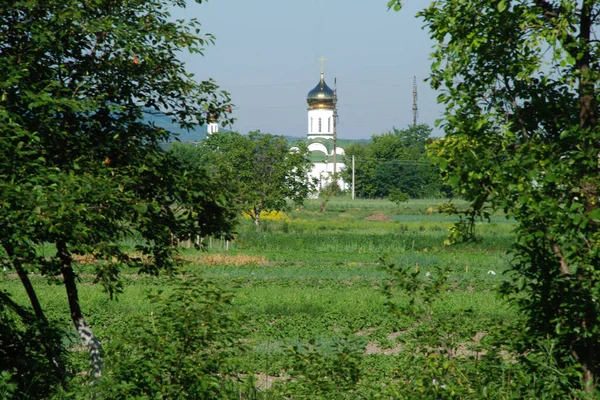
{"type": "Point", "coordinates": [25, 371]}
{"type": "Point", "coordinates": [184, 349]}
{"type": "Point", "coordinates": [398, 196]}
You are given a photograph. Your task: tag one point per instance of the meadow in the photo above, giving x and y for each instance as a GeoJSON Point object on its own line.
{"type": "Point", "coordinates": [361, 301]}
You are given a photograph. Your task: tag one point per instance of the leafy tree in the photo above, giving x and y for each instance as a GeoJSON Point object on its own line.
{"type": "Point", "coordinates": [394, 160]}
{"type": "Point", "coordinates": [364, 169]}
{"type": "Point", "coordinates": [81, 169]}
{"type": "Point", "coordinates": [520, 83]}
{"type": "Point", "coordinates": [260, 169]}
{"type": "Point", "coordinates": [330, 189]}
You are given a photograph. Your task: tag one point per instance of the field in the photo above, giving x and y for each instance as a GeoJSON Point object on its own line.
{"type": "Point", "coordinates": [322, 315]}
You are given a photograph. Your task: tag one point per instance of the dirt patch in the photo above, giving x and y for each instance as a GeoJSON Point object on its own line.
{"type": "Point", "coordinates": [225, 259]}
{"type": "Point", "coordinates": [373, 348]}
{"type": "Point", "coordinates": [265, 382]}
{"type": "Point", "coordinates": [392, 336]}
{"type": "Point", "coordinates": [92, 259]}
{"type": "Point", "coordinates": [478, 336]}
{"type": "Point", "coordinates": [378, 218]}
{"type": "Point", "coordinates": [365, 332]}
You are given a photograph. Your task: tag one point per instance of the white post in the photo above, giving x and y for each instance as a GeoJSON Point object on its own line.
{"type": "Point", "coordinates": [352, 177]}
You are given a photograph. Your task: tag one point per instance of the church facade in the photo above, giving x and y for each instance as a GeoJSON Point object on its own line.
{"type": "Point", "coordinates": [325, 154]}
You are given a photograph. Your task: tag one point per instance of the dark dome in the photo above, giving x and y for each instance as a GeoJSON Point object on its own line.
{"type": "Point", "coordinates": [321, 91]}
{"type": "Point", "coordinates": [321, 96]}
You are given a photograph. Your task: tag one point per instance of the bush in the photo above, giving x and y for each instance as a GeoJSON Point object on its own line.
{"type": "Point", "coordinates": [324, 373]}
{"type": "Point", "coordinates": [398, 196]}
{"type": "Point", "coordinates": [25, 371]}
{"type": "Point", "coordinates": [184, 349]}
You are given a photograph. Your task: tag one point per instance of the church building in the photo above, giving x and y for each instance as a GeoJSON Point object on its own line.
{"type": "Point", "coordinates": [326, 155]}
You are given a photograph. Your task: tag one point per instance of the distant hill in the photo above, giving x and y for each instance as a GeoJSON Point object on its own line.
{"type": "Point", "coordinates": [183, 135]}
{"type": "Point", "coordinates": [200, 132]}
{"type": "Point", "coordinates": [341, 142]}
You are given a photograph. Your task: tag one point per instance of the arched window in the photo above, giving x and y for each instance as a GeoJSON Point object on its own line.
{"type": "Point", "coordinates": [311, 124]}
{"type": "Point", "coordinates": [319, 125]}
{"type": "Point", "coordinates": [329, 124]}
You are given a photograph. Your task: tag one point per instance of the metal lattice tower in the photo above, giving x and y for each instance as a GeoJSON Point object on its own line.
{"type": "Point", "coordinates": [415, 97]}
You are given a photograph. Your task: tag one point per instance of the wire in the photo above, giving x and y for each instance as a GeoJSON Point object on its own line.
{"type": "Point", "coordinates": [308, 83]}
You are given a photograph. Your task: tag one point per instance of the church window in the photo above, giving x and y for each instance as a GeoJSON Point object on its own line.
{"type": "Point", "coordinates": [311, 124]}
{"type": "Point", "coordinates": [319, 125]}
{"type": "Point", "coordinates": [329, 124]}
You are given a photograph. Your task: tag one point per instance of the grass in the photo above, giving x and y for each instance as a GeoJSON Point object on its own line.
{"type": "Point", "coordinates": [312, 276]}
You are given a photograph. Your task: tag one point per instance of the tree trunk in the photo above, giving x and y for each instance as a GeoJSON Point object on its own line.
{"type": "Point", "coordinates": [256, 216]}
{"type": "Point", "coordinates": [323, 205]}
{"type": "Point", "coordinates": [85, 333]}
{"type": "Point", "coordinates": [588, 119]}
{"type": "Point", "coordinates": [24, 277]}
{"type": "Point", "coordinates": [50, 346]}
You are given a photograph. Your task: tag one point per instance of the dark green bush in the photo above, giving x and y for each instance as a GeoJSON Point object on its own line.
{"type": "Point", "coordinates": [398, 196]}
{"type": "Point", "coordinates": [186, 348]}
{"type": "Point", "coordinates": [26, 371]}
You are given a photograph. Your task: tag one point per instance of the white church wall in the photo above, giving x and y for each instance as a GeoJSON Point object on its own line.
{"type": "Point", "coordinates": [322, 173]}
{"type": "Point", "coordinates": [326, 117]}
{"type": "Point", "coordinates": [317, 147]}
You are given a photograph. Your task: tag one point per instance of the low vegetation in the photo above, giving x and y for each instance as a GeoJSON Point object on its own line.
{"type": "Point", "coordinates": [313, 304]}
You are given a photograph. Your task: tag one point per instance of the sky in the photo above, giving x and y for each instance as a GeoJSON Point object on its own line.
{"type": "Point", "coordinates": [266, 56]}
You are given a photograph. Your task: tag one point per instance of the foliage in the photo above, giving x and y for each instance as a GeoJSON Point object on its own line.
{"type": "Point", "coordinates": [25, 369]}
{"type": "Point", "coordinates": [316, 281]}
{"type": "Point", "coordinates": [323, 373]}
{"type": "Point", "coordinates": [185, 347]}
{"type": "Point", "coordinates": [519, 80]}
{"type": "Point", "coordinates": [260, 169]}
{"type": "Point", "coordinates": [7, 388]}
{"type": "Point", "coordinates": [395, 160]}
{"type": "Point", "coordinates": [398, 196]}
{"type": "Point", "coordinates": [330, 189]}
{"type": "Point", "coordinates": [81, 170]}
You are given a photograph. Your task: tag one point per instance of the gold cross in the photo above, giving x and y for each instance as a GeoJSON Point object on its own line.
{"type": "Point", "coordinates": [322, 59]}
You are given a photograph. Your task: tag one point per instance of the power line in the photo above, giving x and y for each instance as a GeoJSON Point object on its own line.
{"type": "Point", "coordinates": [308, 83]}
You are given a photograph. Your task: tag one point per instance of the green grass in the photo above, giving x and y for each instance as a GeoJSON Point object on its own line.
{"type": "Point", "coordinates": [321, 280]}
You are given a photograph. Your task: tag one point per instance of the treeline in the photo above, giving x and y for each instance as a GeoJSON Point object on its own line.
{"type": "Point", "coordinates": [259, 171]}
{"type": "Point", "coordinates": [395, 162]}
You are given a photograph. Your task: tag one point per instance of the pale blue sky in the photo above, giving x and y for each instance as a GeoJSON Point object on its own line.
{"type": "Point", "coordinates": [266, 55]}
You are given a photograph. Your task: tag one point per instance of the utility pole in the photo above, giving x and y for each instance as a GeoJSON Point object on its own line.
{"type": "Point", "coordinates": [415, 109]}
{"type": "Point", "coordinates": [352, 176]}
{"type": "Point", "coordinates": [335, 117]}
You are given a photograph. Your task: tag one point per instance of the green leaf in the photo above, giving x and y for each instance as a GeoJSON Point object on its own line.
{"type": "Point", "coordinates": [594, 215]}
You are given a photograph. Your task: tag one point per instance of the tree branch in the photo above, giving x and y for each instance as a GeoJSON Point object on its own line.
{"type": "Point", "coordinates": [564, 268]}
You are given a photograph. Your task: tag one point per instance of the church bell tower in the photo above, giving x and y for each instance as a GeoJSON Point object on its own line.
{"type": "Point", "coordinates": [321, 105]}
{"type": "Point", "coordinates": [325, 153]}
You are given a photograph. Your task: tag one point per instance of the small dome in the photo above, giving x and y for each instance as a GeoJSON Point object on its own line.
{"type": "Point", "coordinates": [321, 96]}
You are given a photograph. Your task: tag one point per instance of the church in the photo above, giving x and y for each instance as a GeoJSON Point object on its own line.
{"type": "Point", "coordinates": [325, 154]}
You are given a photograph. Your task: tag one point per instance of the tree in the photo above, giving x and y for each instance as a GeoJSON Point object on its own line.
{"type": "Point", "coordinates": [395, 160]}
{"type": "Point", "coordinates": [328, 190]}
{"type": "Point", "coordinates": [261, 170]}
{"type": "Point", "coordinates": [81, 169]}
{"type": "Point", "coordinates": [364, 169]}
{"type": "Point", "coordinates": [519, 80]}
